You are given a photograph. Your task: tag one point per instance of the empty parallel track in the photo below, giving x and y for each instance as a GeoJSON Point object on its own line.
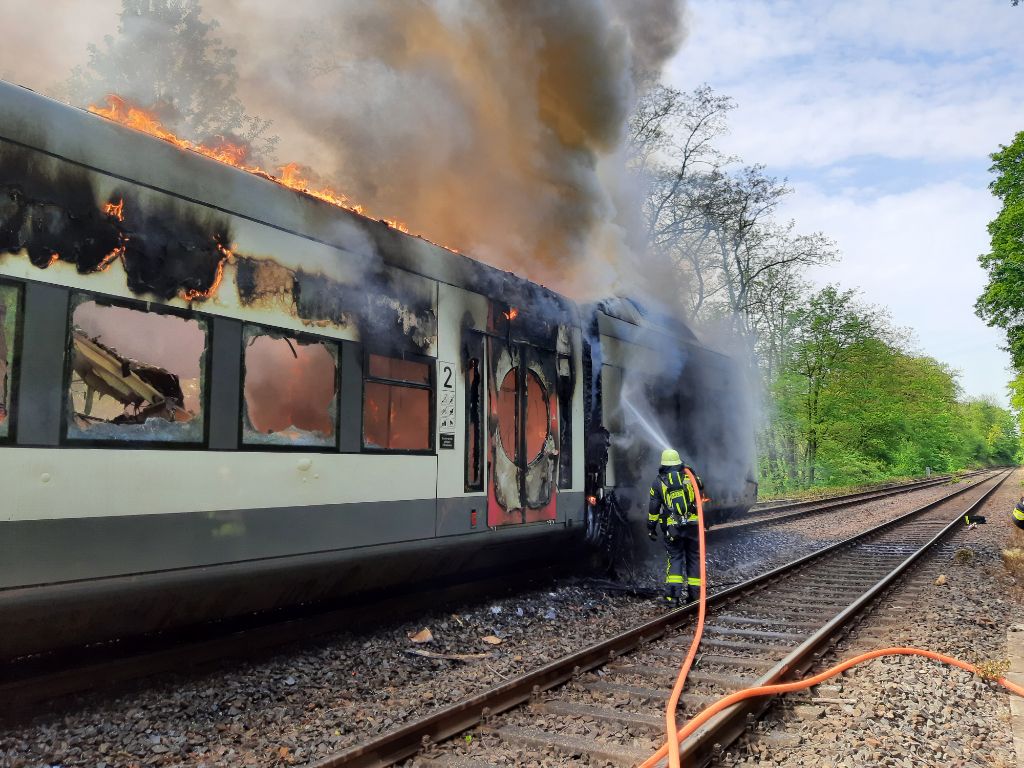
{"type": "Point", "coordinates": [604, 704]}
{"type": "Point", "coordinates": [783, 513]}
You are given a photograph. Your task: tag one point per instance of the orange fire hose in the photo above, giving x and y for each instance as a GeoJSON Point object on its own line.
{"type": "Point", "coordinates": [768, 690]}
{"type": "Point", "coordinates": [684, 670]}
{"type": "Point", "coordinates": [675, 736]}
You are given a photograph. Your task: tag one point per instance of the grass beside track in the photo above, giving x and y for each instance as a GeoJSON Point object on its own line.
{"type": "Point", "coordinates": [827, 491]}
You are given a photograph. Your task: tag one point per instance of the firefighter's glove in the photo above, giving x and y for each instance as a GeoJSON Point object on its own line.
{"type": "Point", "coordinates": [652, 535]}
{"type": "Point", "coordinates": [670, 539]}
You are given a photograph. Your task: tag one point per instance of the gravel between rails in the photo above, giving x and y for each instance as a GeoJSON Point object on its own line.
{"type": "Point", "coordinates": [911, 711]}
{"type": "Point", "coordinates": [755, 550]}
{"type": "Point", "coordinates": [308, 701]}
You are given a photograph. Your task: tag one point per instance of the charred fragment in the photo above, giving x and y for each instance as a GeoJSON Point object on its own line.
{"type": "Point", "coordinates": [53, 212]}
{"type": "Point", "coordinates": [388, 316]}
{"type": "Point", "coordinates": [171, 253]}
{"type": "Point", "coordinates": [145, 391]}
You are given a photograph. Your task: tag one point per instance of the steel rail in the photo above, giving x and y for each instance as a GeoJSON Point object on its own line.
{"type": "Point", "coordinates": [819, 506]}
{"type": "Point", "coordinates": [401, 743]}
{"type": "Point", "coordinates": [728, 725]}
{"type": "Point", "coordinates": [792, 504]}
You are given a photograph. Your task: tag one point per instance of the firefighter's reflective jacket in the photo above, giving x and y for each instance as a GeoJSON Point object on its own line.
{"type": "Point", "coordinates": [1018, 515]}
{"type": "Point", "coordinates": [673, 504]}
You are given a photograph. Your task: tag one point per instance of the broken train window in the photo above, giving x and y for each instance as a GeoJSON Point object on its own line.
{"type": "Point", "coordinates": [10, 296]}
{"type": "Point", "coordinates": [397, 395]}
{"type": "Point", "coordinates": [290, 390]}
{"type": "Point", "coordinates": [472, 361]}
{"type": "Point", "coordinates": [136, 375]}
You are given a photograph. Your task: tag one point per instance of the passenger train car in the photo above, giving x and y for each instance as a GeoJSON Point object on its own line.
{"type": "Point", "coordinates": [221, 396]}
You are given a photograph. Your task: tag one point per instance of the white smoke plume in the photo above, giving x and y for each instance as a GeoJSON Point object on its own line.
{"type": "Point", "coordinates": [492, 126]}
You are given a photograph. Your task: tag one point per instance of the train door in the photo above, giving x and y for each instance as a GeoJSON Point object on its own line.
{"type": "Point", "coordinates": [523, 433]}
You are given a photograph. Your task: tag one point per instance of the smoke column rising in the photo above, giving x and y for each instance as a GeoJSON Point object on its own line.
{"type": "Point", "coordinates": [493, 126]}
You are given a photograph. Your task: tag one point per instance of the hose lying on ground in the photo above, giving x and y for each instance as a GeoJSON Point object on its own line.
{"type": "Point", "coordinates": [676, 736]}
{"type": "Point", "coordinates": [677, 689]}
{"type": "Point", "coordinates": [767, 690]}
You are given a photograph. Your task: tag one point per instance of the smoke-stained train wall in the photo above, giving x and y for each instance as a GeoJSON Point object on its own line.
{"type": "Point", "coordinates": [221, 396]}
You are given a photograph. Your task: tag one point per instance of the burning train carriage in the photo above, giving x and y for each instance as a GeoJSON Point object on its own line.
{"type": "Point", "coordinates": [654, 385]}
{"type": "Point", "coordinates": [221, 396]}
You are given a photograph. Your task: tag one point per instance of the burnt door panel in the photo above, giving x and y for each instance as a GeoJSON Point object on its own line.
{"type": "Point", "coordinates": [523, 432]}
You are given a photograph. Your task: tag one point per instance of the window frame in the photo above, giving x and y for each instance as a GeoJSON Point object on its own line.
{"type": "Point", "coordinates": [430, 387]}
{"type": "Point", "coordinates": [14, 373]}
{"type": "Point", "coordinates": [76, 298]}
{"type": "Point", "coordinates": [285, 448]}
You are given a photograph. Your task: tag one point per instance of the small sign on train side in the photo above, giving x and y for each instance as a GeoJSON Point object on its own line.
{"type": "Point", "coordinates": [446, 418]}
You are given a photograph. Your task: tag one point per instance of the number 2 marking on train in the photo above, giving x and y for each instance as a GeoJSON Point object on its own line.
{"type": "Point", "coordinates": [446, 406]}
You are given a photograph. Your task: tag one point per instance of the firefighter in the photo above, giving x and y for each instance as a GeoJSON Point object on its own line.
{"type": "Point", "coordinates": [1018, 514]}
{"type": "Point", "coordinates": [673, 509]}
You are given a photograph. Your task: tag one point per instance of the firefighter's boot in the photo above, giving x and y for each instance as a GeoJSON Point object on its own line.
{"type": "Point", "coordinates": [693, 589]}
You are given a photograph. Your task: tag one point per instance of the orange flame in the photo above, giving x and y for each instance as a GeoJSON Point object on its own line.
{"type": "Point", "coordinates": [115, 209]}
{"type": "Point", "coordinates": [291, 175]}
{"type": "Point", "coordinates": [117, 253]}
{"type": "Point", "coordinates": [512, 313]}
{"type": "Point", "coordinates": [191, 294]}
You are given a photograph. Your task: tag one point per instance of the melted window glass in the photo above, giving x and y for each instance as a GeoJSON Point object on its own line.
{"type": "Point", "coordinates": [474, 426]}
{"type": "Point", "coordinates": [508, 414]}
{"type": "Point", "coordinates": [290, 391]}
{"type": "Point", "coordinates": [395, 369]}
{"type": "Point", "coordinates": [135, 375]}
{"type": "Point", "coordinates": [8, 329]}
{"type": "Point", "coordinates": [536, 417]}
{"type": "Point", "coordinates": [396, 417]}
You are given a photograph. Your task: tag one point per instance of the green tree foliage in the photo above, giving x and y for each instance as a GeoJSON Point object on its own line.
{"type": "Point", "coordinates": [1002, 303]}
{"type": "Point", "coordinates": [845, 399]}
{"type": "Point", "coordinates": [853, 404]}
{"type": "Point", "coordinates": [168, 59]}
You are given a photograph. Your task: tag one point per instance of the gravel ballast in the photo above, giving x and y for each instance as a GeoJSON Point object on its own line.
{"type": "Point", "coordinates": [306, 702]}
{"type": "Point", "coordinates": [904, 711]}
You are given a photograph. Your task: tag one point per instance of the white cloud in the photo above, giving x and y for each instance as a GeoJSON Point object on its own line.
{"type": "Point", "coordinates": [821, 87]}
{"type": "Point", "coordinates": [915, 254]}
{"type": "Point", "coordinates": [935, 81]}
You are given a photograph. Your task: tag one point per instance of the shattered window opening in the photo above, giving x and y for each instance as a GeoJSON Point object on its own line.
{"type": "Point", "coordinates": [397, 396]}
{"type": "Point", "coordinates": [290, 390]}
{"type": "Point", "coordinates": [136, 374]}
{"type": "Point", "coordinates": [565, 391]}
{"type": "Point", "coordinates": [508, 414]}
{"type": "Point", "coordinates": [536, 417]}
{"type": "Point", "coordinates": [474, 425]}
{"type": "Point", "coordinates": [10, 296]}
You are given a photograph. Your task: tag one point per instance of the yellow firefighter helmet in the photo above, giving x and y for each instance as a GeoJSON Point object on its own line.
{"type": "Point", "coordinates": [670, 458]}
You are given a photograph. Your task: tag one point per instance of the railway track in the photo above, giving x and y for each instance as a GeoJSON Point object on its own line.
{"type": "Point", "coordinates": [604, 704]}
{"type": "Point", "coordinates": [781, 513]}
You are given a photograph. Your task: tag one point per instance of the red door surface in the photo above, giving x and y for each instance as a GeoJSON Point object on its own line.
{"type": "Point", "coordinates": [523, 435]}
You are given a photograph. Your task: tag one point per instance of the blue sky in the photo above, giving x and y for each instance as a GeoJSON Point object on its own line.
{"type": "Point", "coordinates": [882, 116]}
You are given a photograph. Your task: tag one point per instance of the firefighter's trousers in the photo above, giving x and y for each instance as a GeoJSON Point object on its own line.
{"type": "Point", "coordinates": [682, 571]}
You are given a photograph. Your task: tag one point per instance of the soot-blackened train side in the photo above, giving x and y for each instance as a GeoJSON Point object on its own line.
{"type": "Point", "coordinates": [220, 396]}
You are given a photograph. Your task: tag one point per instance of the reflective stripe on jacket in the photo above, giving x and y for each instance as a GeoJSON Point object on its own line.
{"type": "Point", "coordinates": [672, 503]}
